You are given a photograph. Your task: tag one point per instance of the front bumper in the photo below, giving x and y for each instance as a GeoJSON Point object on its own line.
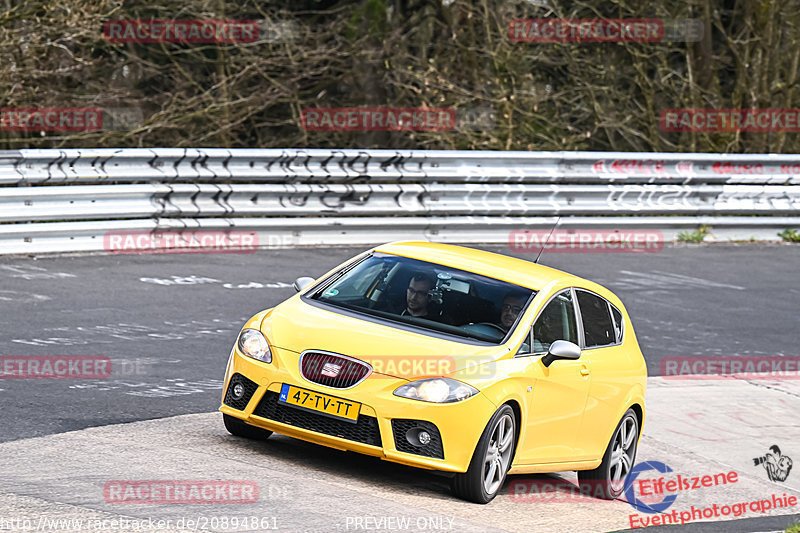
{"type": "Point", "coordinates": [459, 424]}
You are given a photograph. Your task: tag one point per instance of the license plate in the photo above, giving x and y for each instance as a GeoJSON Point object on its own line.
{"type": "Point", "coordinates": [320, 403]}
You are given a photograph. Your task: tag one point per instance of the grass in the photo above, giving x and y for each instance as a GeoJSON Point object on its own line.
{"type": "Point", "coordinates": [790, 235]}
{"type": "Point", "coordinates": [694, 236]}
{"type": "Point", "coordinates": [794, 528]}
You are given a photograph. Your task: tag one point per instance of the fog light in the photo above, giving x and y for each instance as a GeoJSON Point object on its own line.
{"type": "Point", "coordinates": [238, 391]}
{"type": "Point", "coordinates": [424, 437]}
{"type": "Point", "coordinates": [418, 436]}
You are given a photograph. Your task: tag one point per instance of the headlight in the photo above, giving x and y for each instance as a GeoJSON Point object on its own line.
{"type": "Point", "coordinates": [436, 390]}
{"type": "Point", "coordinates": [252, 343]}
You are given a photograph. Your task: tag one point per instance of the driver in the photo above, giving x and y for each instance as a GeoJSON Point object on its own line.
{"type": "Point", "coordinates": [512, 305]}
{"type": "Point", "coordinates": [418, 297]}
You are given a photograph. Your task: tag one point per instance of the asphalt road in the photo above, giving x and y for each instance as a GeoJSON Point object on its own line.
{"type": "Point", "coordinates": [167, 322]}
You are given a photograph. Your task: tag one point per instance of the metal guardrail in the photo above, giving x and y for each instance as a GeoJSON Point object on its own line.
{"type": "Point", "coordinates": [165, 165]}
{"type": "Point", "coordinates": [103, 202]}
{"type": "Point", "coordinates": [67, 200]}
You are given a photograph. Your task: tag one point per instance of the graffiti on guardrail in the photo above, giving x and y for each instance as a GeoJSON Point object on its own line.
{"type": "Point", "coordinates": [431, 194]}
{"type": "Point", "coordinates": [322, 166]}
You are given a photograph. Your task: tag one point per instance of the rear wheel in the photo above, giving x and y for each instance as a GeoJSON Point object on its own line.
{"type": "Point", "coordinates": [607, 481]}
{"type": "Point", "coordinates": [491, 460]}
{"type": "Point", "coordinates": [239, 428]}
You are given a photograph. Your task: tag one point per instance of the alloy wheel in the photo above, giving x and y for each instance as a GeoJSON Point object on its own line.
{"type": "Point", "coordinates": [498, 454]}
{"type": "Point", "coordinates": [622, 453]}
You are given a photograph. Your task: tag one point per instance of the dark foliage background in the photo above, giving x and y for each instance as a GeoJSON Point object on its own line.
{"type": "Point", "coordinates": [403, 53]}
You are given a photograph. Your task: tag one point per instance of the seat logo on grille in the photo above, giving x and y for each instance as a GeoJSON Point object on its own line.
{"type": "Point", "coordinates": [331, 370]}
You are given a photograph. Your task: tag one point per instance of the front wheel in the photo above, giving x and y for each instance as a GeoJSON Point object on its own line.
{"type": "Point", "coordinates": [607, 481]}
{"type": "Point", "coordinates": [491, 460]}
{"type": "Point", "coordinates": [239, 428]}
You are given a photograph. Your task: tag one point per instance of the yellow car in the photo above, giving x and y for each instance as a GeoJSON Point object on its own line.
{"type": "Point", "coordinates": [452, 359]}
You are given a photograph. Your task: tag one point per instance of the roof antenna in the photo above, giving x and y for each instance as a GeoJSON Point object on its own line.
{"type": "Point", "coordinates": [547, 239]}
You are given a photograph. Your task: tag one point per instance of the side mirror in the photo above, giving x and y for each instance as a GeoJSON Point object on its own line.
{"type": "Point", "coordinates": [301, 283]}
{"type": "Point", "coordinates": [561, 350]}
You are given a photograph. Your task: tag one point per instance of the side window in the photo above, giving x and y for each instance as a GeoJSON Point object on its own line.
{"type": "Point", "coordinates": [617, 322]}
{"type": "Point", "coordinates": [525, 347]}
{"type": "Point", "coordinates": [557, 322]}
{"type": "Point", "coordinates": [598, 329]}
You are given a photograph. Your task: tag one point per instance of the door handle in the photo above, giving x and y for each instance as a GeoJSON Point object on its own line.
{"type": "Point", "coordinates": [584, 372]}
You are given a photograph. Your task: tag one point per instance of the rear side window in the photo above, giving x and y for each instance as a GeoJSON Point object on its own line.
{"type": "Point", "coordinates": [617, 322]}
{"type": "Point", "coordinates": [598, 328]}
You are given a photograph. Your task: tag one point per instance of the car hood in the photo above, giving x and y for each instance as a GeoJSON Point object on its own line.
{"type": "Point", "coordinates": [299, 326]}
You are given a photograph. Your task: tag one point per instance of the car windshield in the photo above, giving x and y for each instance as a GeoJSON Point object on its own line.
{"type": "Point", "coordinates": [429, 296]}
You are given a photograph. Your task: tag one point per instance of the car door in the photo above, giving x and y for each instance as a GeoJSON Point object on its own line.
{"type": "Point", "coordinates": [559, 391]}
{"type": "Point", "coordinates": [602, 329]}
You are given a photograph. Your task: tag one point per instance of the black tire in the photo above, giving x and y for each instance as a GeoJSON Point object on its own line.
{"type": "Point", "coordinates": [470, 485]}
{"type": "Point", "coordinates": [239, 428]}
{"type": "Point", "coordinates": [607, 481]}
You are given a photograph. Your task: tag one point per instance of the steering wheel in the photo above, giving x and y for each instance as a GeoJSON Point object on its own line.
{"type": "Point", "coordinates": [495, 326]}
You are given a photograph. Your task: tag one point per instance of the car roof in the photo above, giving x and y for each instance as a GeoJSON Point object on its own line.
{"type": "Point", "coordinates": [502, 267]}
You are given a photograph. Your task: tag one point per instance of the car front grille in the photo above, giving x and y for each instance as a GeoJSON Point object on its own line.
{"type": "Point", "coordinates": [365, 430]}
{"type": "Point", "coordinates": [333, 370]}
{"type": "Point", "coordinates": [400, 427]}
{"type": "Point", "coordinates": [249, 389]}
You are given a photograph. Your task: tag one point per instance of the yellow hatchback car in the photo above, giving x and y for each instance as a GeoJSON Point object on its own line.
{"type": "Point", "coordinates": [452, 359]}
